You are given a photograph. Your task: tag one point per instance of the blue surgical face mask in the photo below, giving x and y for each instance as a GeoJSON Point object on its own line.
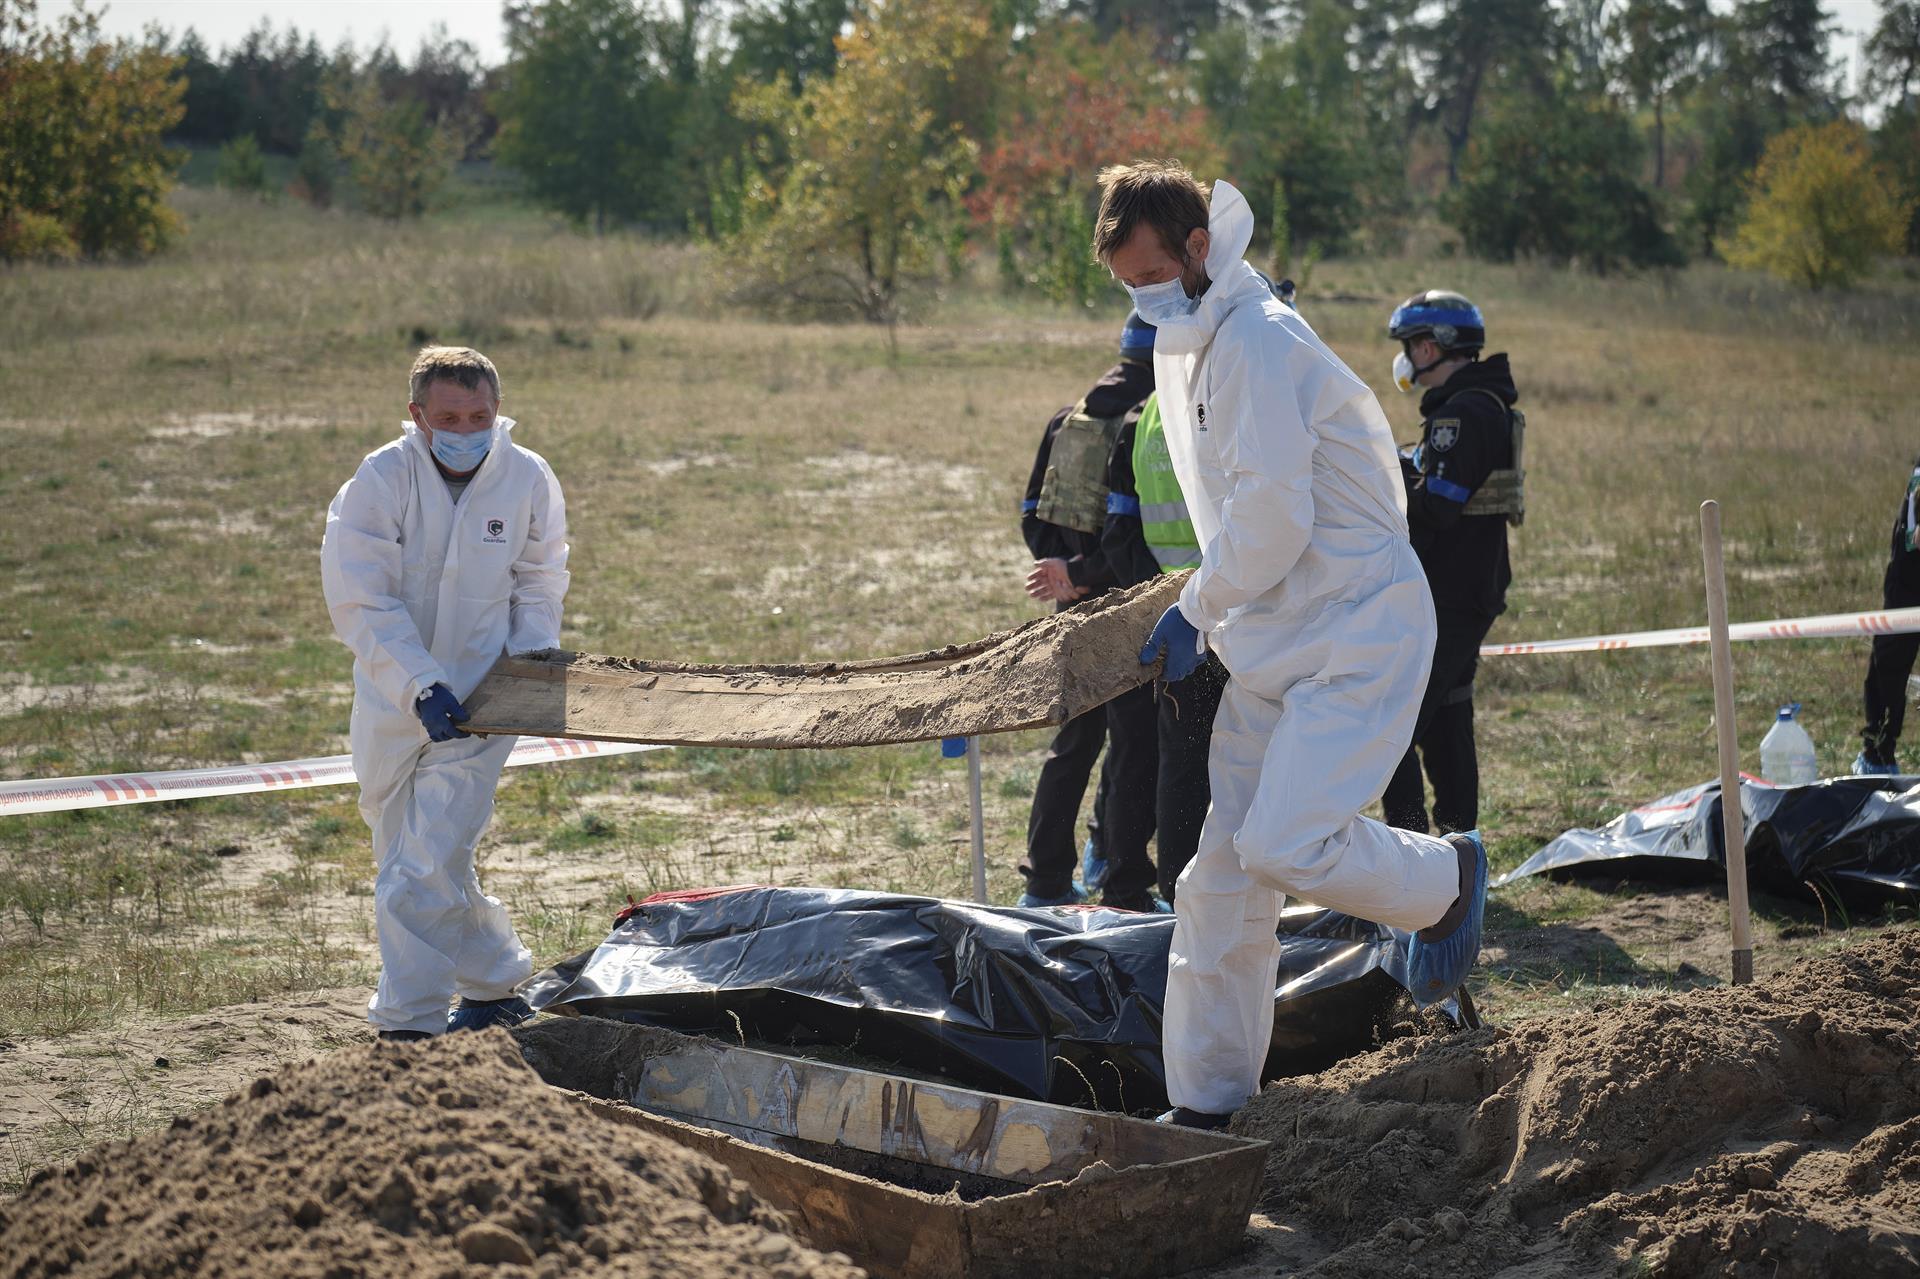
{"type": "Point", "coordinates": [461, 453]}
{"type": "Point", "coordinates": [1163, 303]}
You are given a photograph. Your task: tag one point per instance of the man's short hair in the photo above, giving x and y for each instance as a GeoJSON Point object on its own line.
{"type": "Point", "coordinates": [461, 364]}
{"type": "Point", "coordinates": [1160, 193]}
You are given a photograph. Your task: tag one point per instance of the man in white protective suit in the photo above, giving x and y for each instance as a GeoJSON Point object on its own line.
{"type": "Point", "coordinates": [1313, 598]}
{"type": "Point", "coordinates": [447, 549]}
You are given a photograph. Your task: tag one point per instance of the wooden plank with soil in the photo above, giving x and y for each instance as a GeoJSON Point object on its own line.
{"type": "Point", "coordinates": [1044, 672]}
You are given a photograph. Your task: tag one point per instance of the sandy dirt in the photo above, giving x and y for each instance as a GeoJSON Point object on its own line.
{"type": "Point", "coordinates": [1044, 672]}
{"type": "Point", "coordinates": [1652, 936]}
{"type": "Point", "coordinates": [60, 1096]}
{"type": "Point", "coordinates": [447, 1158]}
{"type": "Point", "coordinates": [1770, 1130]}
{"type": "Point", "coordinates": [1766, 1130]}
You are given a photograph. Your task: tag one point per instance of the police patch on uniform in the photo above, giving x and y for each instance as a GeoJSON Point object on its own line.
{"type": "Point", "coordinates": [1444, 432]}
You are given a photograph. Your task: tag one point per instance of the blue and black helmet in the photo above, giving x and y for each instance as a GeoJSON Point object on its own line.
{"type": "Point", "coordinates": [1454, 323]}
{"type": "Point", "coordinates": [1136, 339]}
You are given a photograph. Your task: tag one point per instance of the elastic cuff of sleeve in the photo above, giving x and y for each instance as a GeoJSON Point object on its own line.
{"type": "Point", "coordinates": [1191, 610]}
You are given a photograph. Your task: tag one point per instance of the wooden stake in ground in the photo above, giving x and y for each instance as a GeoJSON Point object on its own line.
{"type": "Point", "coordinates": [1733, 836]}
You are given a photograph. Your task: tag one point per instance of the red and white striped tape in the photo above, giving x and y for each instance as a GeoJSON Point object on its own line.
{"type": "Point", "coordinates": [1891, 621]}
{"type": "Point", "coordinates": [47, 795]}
{"type": "Point", "coordinates": [57, 794]}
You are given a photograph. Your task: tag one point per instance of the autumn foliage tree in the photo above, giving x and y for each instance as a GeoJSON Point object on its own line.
{"type": "Point", "coordinates": [860, 199]}
{"type": "Point", "coordinates": [83, 169]}
{"type": "Point", "coordinates": [1073, 106]}
{"type": "Point", "coordinates": [1819, 210]}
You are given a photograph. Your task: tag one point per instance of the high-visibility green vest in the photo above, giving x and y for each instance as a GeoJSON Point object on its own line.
{"type": "Point", "coordinates": [1163, 509]}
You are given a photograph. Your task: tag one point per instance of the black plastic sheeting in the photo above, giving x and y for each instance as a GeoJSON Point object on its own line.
{"type": "Point", "coordinates": [1854, 838]}
{"type": "Point", "coordinates": [1058, 1005]}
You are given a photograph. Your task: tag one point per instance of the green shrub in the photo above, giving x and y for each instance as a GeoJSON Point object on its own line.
{"type": "Point", "coordinates": [83, 168]}
{"type": "Point", "coordinates": [316, 168]}
{"type": "Point", "coordinates": [241, 167]}
{"type": "Point", "coordinates": [1555, 180]}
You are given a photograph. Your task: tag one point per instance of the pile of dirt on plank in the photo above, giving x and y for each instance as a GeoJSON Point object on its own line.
{"type": "Point", "coordinates": [1764, 1130]}
{"type": "Point", "coordinates": [438, 1159]}
{"type": "Point", "coordinates": [1045, 672]}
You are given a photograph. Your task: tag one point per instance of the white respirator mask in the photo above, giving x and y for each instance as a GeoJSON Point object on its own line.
{"type": "Point", "coordinates": [1403, 372]}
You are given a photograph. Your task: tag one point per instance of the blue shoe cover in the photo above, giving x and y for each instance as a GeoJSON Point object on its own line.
{"type": "Point", "coordinates": [1437, 969]}
{"type": "Point", "coordinates": [1093, 868]}
{"type": "Point", "coordinates": [1864, 767]}
{"type": "Point", "coordinates": [478, 1014]}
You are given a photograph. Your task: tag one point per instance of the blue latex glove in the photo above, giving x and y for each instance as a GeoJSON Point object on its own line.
{"type": "Point", "coordinates": [1175, 636]}
{"type": "Point", "coordinates": [441, 714]}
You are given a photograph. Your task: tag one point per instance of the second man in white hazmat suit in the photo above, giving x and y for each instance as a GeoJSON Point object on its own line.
{"type": "Point", "coordinates": [1313, 598]}
{"type": "Point", "coordinates": [446, 550]}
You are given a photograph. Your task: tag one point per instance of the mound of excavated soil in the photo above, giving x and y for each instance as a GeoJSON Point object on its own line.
{"type": "Point", "coordinates": [1766, 1130]}
{"type": "Point", "coordinates": [432, 1161]}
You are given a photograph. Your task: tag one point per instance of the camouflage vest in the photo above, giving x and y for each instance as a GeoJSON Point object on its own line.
{"type": "Point", "coordinates": [1505, 491]}
{"type": "Point", "coordinates": [1908, 510]}
{"type": "Point", "coordinates": [1073, 493]}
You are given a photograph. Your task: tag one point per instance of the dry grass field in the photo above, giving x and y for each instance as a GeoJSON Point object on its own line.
{"type": "Point", "coordinates": [739, 489]}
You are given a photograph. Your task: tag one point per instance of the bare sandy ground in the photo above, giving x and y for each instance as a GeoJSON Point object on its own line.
{"type": "Point", "coordinates": [1771, 1129]}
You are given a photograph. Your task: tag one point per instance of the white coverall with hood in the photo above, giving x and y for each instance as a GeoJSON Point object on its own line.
{"type": "Point", "coordinates": [1311, 594]}
{"type": "Point", "coordinates": [426, 590]}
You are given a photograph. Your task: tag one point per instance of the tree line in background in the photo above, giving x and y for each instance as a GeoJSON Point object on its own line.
{"type": "Point", "coordinates": [846, 148]}
{"type": "Point", "coordinates": [394, 129]}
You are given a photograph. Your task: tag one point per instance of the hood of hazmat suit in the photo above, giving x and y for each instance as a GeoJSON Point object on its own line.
{"type": "Point", "coordinates": [1311, 595]}
{"type": "Point", "coordinates": [425, 589]}
{"type": "Point", "coordinates": [1263, 420]}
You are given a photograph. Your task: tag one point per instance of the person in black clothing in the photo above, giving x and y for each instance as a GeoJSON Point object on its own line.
{"type": "Point", "coordinates": [1893, 655]}
{"type": "Point", "coordinates": [1464, 485]}
{"type": "Point", "coordinates": [1061, 519]}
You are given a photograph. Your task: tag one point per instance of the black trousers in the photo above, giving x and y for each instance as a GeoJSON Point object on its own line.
{"type": "Point", "coordinates": [1186, 711]}
{"type": "Point", "coordinates": [1123, 807]}
{"type": "Point", "coordinates": [1443, 736]}
{"type": "Point", "coordinates": [1892, 660]}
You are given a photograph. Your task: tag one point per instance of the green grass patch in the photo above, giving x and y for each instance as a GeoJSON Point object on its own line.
{"type": "Point", "coordinates": [87, 981]}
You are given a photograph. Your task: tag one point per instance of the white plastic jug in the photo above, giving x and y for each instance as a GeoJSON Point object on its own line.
{"type": "Point", "coordinates": [1786, 752]}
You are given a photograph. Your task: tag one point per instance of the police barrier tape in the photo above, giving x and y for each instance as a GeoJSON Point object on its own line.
{"type": "Point", "coordinates": [47, 795]}
{"type": "Point", "coordinates": [58, 794]}
{"type": "Point", "coordinates": [1891, 621]}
